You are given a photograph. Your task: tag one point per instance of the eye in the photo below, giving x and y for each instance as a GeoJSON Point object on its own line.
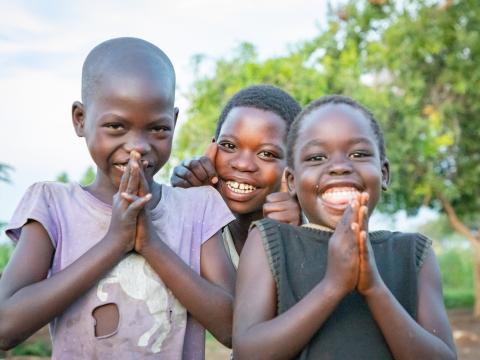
{"type": "Point", "coordinates": [360, 154]}
{"type": "Point", "coordinates": [114, 126]}
{"type": "Point", "coordinates": [267, 155]}
{"type": "Point", "coordinates": [316, 158]}
{"type": "Point", "coordinates": [159, 129]}
{"type": "Point", "coordinates": [227, 145]}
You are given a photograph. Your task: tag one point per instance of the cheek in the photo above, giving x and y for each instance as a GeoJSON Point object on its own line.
{"type": "Point", "coordinates": [221, 161]}
{"type": "Point", "coordinates": [272, 174]}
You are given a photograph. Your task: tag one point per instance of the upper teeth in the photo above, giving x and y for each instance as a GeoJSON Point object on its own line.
{"type": "Point", "coordinates": [340, 193]}
{"type": "Point", "coordinates": [240, 187]}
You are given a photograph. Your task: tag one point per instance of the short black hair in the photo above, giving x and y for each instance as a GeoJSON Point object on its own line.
{"type": "Point", "coordinates": [119, 56]}
{"type": "Point", "coordinates": [333, 100]}
{"type": "Point", "coordinates": [263, 97]}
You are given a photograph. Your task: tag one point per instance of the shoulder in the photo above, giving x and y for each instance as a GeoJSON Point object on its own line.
{"type": "Point", "coordinates": [416, 244]}
{"type": "Point", "coordinates": [192, 193]}
{"type": "Point", "coordinates": [51, 188]}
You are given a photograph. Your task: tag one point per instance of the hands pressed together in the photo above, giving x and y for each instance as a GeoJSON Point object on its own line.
{"type": "Point", "coordinates": [130, 215]}
{"type": "Point", "coordinates": [351, 262]}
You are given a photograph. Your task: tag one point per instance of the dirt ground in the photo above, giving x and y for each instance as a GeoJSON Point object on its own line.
{"type": "Point", "coordinates": [466, 332]}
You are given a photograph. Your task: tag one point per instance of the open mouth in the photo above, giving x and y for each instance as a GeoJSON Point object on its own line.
{"type": "Point", "coordinates": [240, 188]}
{"type": "Point", "coordinates": [120, 167]}
{"type": "Point", "coordinates": [340, 195]}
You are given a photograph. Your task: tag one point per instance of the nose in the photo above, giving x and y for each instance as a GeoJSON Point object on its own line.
{"type": "Point", "coordinates": [340, 165]}
{"type": "Point", "coordinates": [244, 161]}
{"type": "Point", "coordinates": [139, 143]}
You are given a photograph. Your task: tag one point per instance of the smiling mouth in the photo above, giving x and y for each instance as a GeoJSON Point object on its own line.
{"type": "Point", "coordinates": [340, 195]}
{"type": "Point", "coordinates": [240, 188]}
{"type": "Point", "coordinates": [120, 167]}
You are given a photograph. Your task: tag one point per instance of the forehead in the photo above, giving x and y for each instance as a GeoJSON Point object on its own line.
{"type": "Point", "coordinates": [254, 123]}
{"type": "Point", "coordinates": [335, 122]}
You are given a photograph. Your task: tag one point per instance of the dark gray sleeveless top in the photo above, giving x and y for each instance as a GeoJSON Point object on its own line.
{"type": "Point", "coordinates": [298, 258]}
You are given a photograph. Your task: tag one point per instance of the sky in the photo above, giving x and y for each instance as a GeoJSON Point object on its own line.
{"type": "Point", "coordinates": [43, 45]}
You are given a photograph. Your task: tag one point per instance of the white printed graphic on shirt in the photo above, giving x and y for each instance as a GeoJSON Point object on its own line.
{"type": "Point", "coordinates": [138, 280]}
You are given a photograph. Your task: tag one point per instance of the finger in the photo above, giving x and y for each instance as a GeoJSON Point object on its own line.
{"type": "Point", "coordinates": [125, 179]}
{"type": "Point", "coordinates": [286, 217]}
{"type": "Point", "coordinates": [283, 186]}
{"type": "Point", "coordinates": [209, 167]}
{"type": "Point", "coordinates": [179, 182]}
{"type": "Point", "coordinates": [211, 151]}
{"type": "Point", "coordinates": [139, 204]}
{"type": "Point", "coordinates": [364, 198]}
{"type": "Point", "coordinates": [278, 197]}
{"type": "Point", "coordinates": [186, 173]}
{"type": "Point", "coordinates": [364, 218]}
{"type": "Point", "coordinates": [129, 197]}
{"type": "Point", "coordinates": [198, 167]}
{"type": "Point", "coordinates": [144, 187]}
{"type": "Point", "coordinates": [132, 187]}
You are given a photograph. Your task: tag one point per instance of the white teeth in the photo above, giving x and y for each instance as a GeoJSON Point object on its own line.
{"type": "Point", "coordinates": [240, 188]}
{"type": "Point", "coordinates": [340, 194]}
{"type": "Point", "coordinates": [120, 167]}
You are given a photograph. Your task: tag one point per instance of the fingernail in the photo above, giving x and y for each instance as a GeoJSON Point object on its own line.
{"type": "Point", "coordinates": [214, 180]}
{"type": "Point", "coordinates": [148, 196]}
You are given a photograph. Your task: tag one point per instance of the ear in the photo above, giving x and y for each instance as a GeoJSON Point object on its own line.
{"type": "Point", "coordinates": [78, 118]}
{"type": "Point", "coordinates": [175, 115]}
{"type": "Point", "coordinates": [289, 177]}
{"type": "Point", "coordinates": [385, 175]}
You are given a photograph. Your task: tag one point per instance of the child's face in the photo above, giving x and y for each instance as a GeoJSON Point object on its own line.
{"type": "Point", "coordinates": [131, 113]}
{"type": "Point", "coordinates": [336, 156]}
{"type": "Point", "coordinates": [250, 158]}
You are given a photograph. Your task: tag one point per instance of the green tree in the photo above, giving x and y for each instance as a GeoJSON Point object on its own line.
{"type": "Point", "coordinates": [414, 64]}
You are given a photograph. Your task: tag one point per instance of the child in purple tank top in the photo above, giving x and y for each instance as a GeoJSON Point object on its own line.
{"type": "Point", "coordinates": [125, 267]}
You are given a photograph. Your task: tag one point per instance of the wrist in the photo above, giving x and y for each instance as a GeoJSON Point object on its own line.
{"type": "Point", "coordinates": [376, 291]}
{"type": "Point", "coordinates": [333, 289]}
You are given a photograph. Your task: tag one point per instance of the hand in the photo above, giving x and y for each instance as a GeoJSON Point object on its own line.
{"type": "Point", "coordinates": [368, 275]}
{"type": "Point", "coordinates": [197, 171]}
{"type": "Point", "coordinates": [343, 259]}
{"type": "Point", "coordinates": [282, 207]}
{"type": "Point", "coordinates": [144, 225]}
{"type": "Point", "coordinates": [127, 205]}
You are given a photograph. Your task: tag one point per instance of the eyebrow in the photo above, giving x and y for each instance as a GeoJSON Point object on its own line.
{"type": "Point", "coordinates": [278, 148]}
{"type": "Point", "coordinates": [353, 141]}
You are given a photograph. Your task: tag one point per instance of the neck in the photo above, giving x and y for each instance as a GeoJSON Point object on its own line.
{"type": "Point", "coordinates": [240, 226]}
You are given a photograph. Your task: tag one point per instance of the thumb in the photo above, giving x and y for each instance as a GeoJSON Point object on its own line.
{"type": "Point", "coordinates": [283, 186]}
{"type": "Point", "coordinates": [211, 151]}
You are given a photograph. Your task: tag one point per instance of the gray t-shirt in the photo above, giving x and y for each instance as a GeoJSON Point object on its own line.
{"type": "Point", "coordinates": [153, 324]}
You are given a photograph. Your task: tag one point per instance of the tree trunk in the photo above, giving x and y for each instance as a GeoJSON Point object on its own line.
{"type": "Point", "coordinates": [462, 229]}
{"type": "Point", "coordinates": [476, 278]}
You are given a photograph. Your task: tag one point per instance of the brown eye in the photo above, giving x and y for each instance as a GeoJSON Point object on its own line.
{"type": "Point", "coordinates": [227, 145]}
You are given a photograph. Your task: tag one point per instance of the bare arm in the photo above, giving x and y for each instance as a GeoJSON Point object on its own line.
{"type": "Point", "coordinates": [209, 297]}
{"type": "Point", "coordinates": [28, 300]}
{"type": "Point", "coordinates": [431, 337]}
{"type": "Point", "coordinates": [258, 332]}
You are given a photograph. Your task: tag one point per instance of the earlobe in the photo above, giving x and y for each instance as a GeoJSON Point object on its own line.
{"type": "Point", "coordinates": [385, 175]}
{"type": "Point", "coordinates": [78, 118]}
{"type": "Point", "coordinates": [289, 177]}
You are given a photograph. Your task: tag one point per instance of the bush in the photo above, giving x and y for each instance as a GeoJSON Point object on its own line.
{"type": "Point", "coordinates": [37, 348]}
{"type": "Point", "coordinates": [5, 252]}
{"type": "Point", "coordinates": [456, 266]}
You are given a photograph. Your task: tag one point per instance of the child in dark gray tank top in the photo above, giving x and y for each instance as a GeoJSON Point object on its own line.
{"type": "Point", "coordinates": [332, 289]}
